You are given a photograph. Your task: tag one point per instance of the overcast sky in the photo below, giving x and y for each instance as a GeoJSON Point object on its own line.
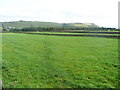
{"type": "Point", "coordinates": [101, 12]}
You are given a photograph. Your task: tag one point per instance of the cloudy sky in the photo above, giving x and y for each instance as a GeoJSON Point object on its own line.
{"type": "Point", "coordinates": [101, 12]}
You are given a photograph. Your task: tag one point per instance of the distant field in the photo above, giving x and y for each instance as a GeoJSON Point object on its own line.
{"type": "Point", "coordinates": [0, 57]}
{"type": "Point", "coordinates": [91, 31]}
{"type": "Point", "coordinates": [42, 61]}
{"type": "Point", "coordinates": [76, 33]}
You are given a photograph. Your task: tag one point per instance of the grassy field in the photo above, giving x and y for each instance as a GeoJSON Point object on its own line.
{"type": "Point", "coordinates": [0, 56]}
{"type": "Point", "coordinates": [77, 33]}
{"type": "Point", "coordinates": [91, 31]}
{"type": "Point", "coordinates": [42, 61]}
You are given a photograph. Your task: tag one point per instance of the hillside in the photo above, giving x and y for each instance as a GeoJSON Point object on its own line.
{"type": "Point", "coordinates": [23, 24]}
{"type": "Point", "coordinates": [82, 25]}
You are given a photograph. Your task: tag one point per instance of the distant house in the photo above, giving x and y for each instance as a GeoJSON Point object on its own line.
{"type": "Point", "coordinates": [9, 27]}
{"type": "Point", "coordinates": [1, 28]}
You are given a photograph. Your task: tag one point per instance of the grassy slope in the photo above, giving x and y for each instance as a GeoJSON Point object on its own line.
{"type": "Point", "coordinates": [55, 61]}
{"type": "Point", "coordinates": [20, 24]}
{"type": "Point", "coordinates": [84, 25]}
{"type": "Point", "coordinates": [30, 23]}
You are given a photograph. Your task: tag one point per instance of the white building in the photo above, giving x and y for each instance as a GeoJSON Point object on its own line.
{"type": "Point", "coordinates": [0, 28]}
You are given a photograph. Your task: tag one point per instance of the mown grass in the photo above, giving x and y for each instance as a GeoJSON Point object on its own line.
{"type": "Point", "coordinates": [36, 61]}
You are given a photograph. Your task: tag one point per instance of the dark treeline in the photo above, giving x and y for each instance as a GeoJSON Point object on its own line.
{"type": "Point", "coordinates": [55, 29]}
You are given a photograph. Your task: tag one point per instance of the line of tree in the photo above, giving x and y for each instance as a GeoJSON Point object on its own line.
{"type": "Point", "coordinates": [56, 29]}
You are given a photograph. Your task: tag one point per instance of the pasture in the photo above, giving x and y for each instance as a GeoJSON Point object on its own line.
{"type": "Point", "coordinates": [116, 34]}
{"type": "Point", "coordinates": [43, 61]}
{"type": "Point", "coordinates": [0, 57]}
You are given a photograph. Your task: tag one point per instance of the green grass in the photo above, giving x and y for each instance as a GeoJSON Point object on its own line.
{"type": "Point", "coordinates": [76, 33]}
{"type": "Point", "coordinates": [0, 56]}
{"type": "Point", "coordinates": [24, 24]}
{"type": "Point", "coordinates": [91, 31]}
{"type": "Point", "coordinates": [42, 61]}
{"type": "Point", "coordinates": [21, 24]}
{"type": "Point", "coordinates": [94, 30]}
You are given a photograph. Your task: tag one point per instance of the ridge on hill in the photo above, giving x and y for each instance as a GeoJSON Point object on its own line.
{"type": "Point", "coordinates": [23, 24]}
{"type": "Point", "coordinates": [82, 25]}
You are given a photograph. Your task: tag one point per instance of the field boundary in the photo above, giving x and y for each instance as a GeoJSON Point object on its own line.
{"type": "Point", "coordinates": [106, 36]}
{"type": "Point", "coordinates": [93, 32]}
